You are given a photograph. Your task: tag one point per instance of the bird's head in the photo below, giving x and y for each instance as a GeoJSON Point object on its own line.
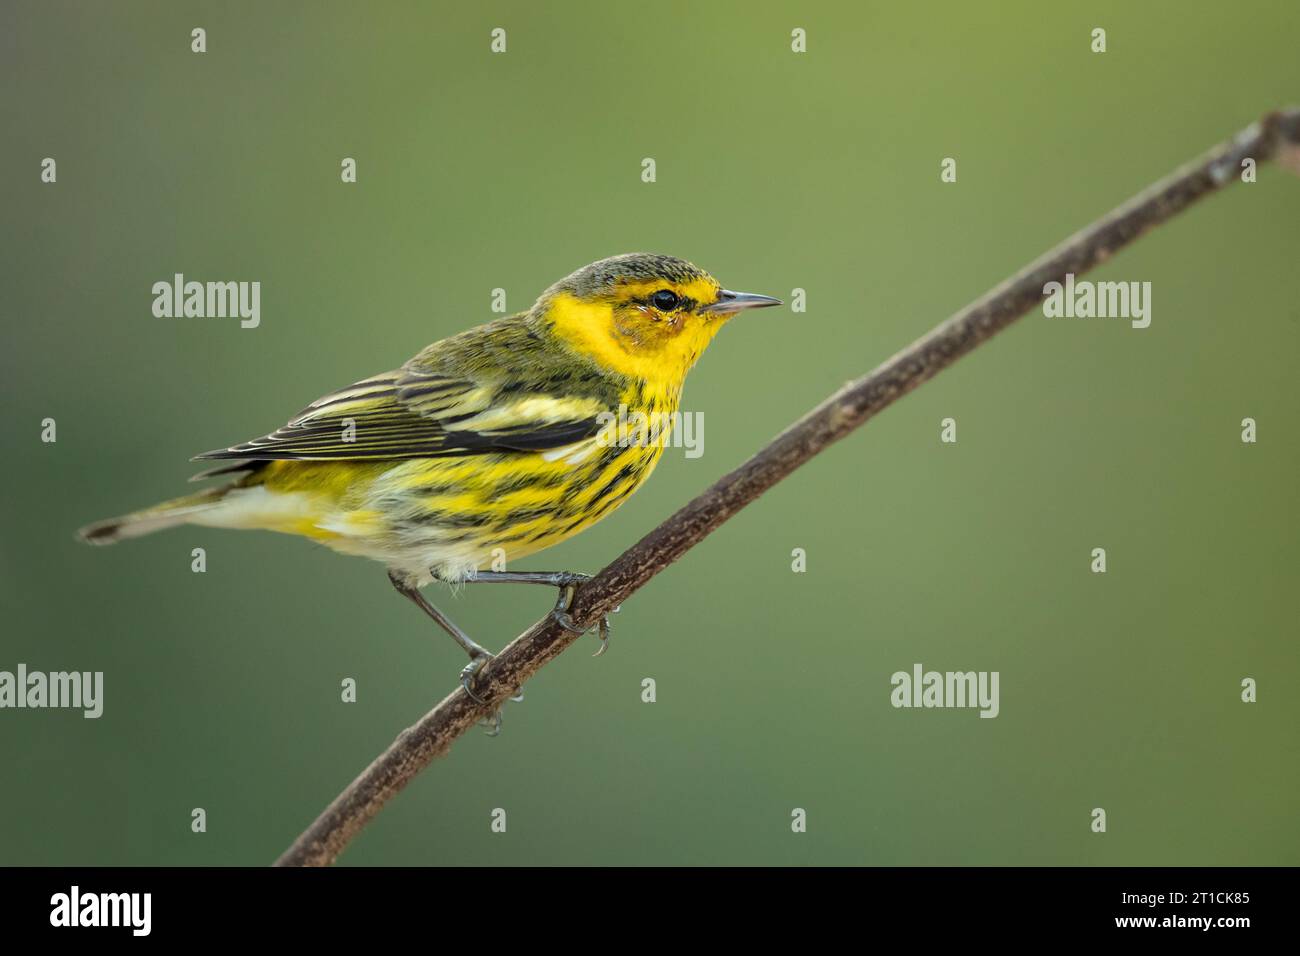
{"type": "Point", "coordinates": [642, 315]}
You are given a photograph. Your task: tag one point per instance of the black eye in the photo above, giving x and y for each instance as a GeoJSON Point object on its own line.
{"type": "Point", "coordinates": [664, 300]}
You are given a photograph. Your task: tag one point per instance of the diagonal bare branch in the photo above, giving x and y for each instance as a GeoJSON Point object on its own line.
{"type": "Point", "coordinates": [1276, 136]}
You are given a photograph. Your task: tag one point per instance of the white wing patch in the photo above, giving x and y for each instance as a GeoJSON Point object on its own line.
{"type": "Point", "coordinates": [574, 454]}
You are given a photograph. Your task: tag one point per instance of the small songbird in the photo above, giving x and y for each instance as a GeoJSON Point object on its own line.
{"type": "Point", "coordinates": [489, 445]}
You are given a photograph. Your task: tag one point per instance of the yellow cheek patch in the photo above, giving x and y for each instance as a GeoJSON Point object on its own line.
{"type": "Point", "coordinates": [588, 327]}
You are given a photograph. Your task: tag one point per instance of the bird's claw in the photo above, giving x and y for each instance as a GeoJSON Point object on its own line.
{"type": "Point", "coordinates": [602, 630]}
{"type": "Point", "coordinates": [563, 618]}
{"type": "Point", "coordinates": [467, 675]}
{"type": "Point", "coordinates": [466, 678]}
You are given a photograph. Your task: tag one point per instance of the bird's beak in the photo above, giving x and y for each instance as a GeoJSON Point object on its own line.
{"type": "Point", "coordinates": [729, 302]}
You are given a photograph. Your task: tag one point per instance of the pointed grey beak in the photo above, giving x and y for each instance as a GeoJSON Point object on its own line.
{"type": "Point", "coordinates": [729, 302]}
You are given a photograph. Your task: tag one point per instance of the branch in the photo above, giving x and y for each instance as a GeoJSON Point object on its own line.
{"type": "Point", "coordinates": [1276, 136]}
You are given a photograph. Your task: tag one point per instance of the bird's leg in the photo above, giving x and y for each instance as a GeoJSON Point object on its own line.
{"type": "Point", "coordinates": [566, 581]}
{"type": "Point", "coordinates": [478, 656]}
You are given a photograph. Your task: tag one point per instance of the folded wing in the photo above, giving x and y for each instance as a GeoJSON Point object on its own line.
{"type": "Point", "coordinates": [417, 413]}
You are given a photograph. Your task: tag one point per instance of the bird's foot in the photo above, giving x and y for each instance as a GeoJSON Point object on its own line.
{"type": "Point", "coordinates": [469, 671]}
{"type": "Point", "coordinates": [563, 618]}
{"type": "Point", "coordinates": [467, 674]}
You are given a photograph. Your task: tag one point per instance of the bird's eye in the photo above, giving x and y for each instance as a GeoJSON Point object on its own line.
{"type": "Point", "coordinates": [664, 300]}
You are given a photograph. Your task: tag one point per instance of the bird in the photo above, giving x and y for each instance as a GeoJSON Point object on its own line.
{"type": "Point", "coordinates": [485, 447]}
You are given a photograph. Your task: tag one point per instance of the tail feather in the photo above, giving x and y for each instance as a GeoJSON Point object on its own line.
{"type": "Point", "coordinates": [165, 515]}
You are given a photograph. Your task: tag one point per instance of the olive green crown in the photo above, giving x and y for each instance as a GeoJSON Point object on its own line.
{"type": "Point", "coordinates": [602, 276]}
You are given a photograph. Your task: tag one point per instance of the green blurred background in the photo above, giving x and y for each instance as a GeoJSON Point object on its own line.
{"type": "Point", "coordinates": [775, 171]}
